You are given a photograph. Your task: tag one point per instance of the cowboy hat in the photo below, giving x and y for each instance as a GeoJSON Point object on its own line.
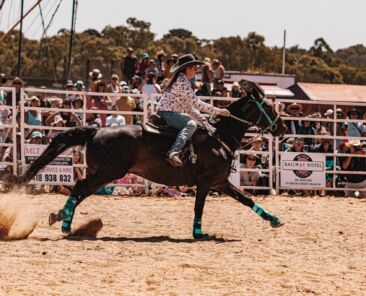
{"type": "Point", "coordinates": [184, 62]}
{"type": "Point", "coordinates": [161, 53]}
{"type": "Point", "coordinates": [294, 106]}
{"type": "Point", "coordinates": [95, 72]}
{"type": "Point", "coordinates": [57, 119]}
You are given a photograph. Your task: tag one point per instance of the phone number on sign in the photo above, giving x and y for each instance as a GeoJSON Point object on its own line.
{"type": "Point", "coordinates": [55, 178]}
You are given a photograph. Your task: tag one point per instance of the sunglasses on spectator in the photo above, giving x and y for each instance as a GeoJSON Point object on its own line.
{"type": "Point", "coordinates": [114, 79]}
{"type": "Point", "coordinates": [251, 158]}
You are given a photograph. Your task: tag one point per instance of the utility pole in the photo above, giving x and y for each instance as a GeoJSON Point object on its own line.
{"type": "Point", "coordinates": [284, 52]}
{"type": "Point", "coordinates": [20, 37]}
{"type": "Point", "coordinates": [73, 21]}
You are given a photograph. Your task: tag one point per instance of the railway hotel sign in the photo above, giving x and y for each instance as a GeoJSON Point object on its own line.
{"type": "Point", "coordinates": [302, 170]}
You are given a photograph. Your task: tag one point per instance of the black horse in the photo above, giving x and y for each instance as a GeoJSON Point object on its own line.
{"type": "Point", "coordinates": [113, 152]}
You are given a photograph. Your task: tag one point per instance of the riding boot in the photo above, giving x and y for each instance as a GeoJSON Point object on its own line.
{"type": "Point", "coordinates": [174, 159]}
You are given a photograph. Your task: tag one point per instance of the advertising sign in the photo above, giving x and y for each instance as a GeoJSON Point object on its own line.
{"type": "Point", "coordinates": [302, 170]}
{"type": "Point", "coordinates": [59, 172]}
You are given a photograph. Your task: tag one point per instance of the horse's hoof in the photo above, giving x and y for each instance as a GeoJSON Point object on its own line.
{"type": "Point", "coordinates": [66, 230]}
{"type": "Point", "coordinates": [53, 218]}
{"type": "Point", "coordinates": [200, 236]}
{"type": "Point", "coordinates": [276, 222]}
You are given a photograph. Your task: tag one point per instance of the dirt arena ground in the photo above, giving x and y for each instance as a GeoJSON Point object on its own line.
{"type": "Point", "coordinates": [145, 248]}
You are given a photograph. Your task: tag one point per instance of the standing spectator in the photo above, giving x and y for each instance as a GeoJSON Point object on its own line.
{"type": "Point", "coordinates": [207, 72]}
{"type": "Point", "coordinates": [3, 80]}
{"type": "Point", "coordinates": [101, 102]}
{"type": "Point", "coordinates": [168, 65]}
{"type": "Point", "coordinates": [235, 90]}
{"type": "Point", "coordinates": [18, 84]}
{"type": "Point", "coordinates": [126, 103]}
{"type": "Point", "coordinates": [293, 110]}
{"type": "Point", "coordinates": [115, 119]}
{"type": "Point", "coordinates": [354, 164]}
{"type": "Point", "coordinates": [152, 68]}
{"type": "Point", "coordinates": [354, 128]}
{"type": "Point", "coordinates": [150, 87]}
{"type": "Point", "coordinates": [143, 65]}
{"type": "Point", "coordinates": [95, 79]}
{"type": "Point", "coordinates": [160, 64]}
{"type": "Point", "coordinates": [218, 71]}
{"type": "Point", "coordinates": [114, 86]}
{"type": "Point", "coordinates": [79, 85]}
{"type": "Point", "coordinates": [129, 65]}
{"type": "Point", "coordinates": [136, 82]}
{"type": "Point", "coordinates": [249, 178]}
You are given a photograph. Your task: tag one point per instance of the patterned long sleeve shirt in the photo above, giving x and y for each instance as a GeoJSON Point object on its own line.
{"type": "Point", "coordinates": [180, 98]}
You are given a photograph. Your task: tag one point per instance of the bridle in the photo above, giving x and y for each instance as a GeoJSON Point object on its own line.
{"type": "Point", "coordinates": [272, 124]}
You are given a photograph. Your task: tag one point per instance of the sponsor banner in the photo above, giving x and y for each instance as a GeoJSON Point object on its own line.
{"type": "Point", "coordinates": [302, 170]}
{"type": "Point", "coordinates": [58, 172]}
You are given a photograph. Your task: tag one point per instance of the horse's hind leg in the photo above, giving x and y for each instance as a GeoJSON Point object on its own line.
{"type": "Point", "coordinates": [237, 194]}
{"type": "Point", "coordinates": [82, 189]}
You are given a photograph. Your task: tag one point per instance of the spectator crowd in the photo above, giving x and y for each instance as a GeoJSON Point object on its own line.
{"type": "Point", "coordinates": [149, 76]}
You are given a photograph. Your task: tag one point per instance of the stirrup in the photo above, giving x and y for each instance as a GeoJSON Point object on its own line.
{"type": "Point", "coordinates": [174, 159]}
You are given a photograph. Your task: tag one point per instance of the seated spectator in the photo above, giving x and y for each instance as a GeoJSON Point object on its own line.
{"type": "Point", "coordinates": [307, 128]}
{"type": "Point", "coordinates": [281, 110]}
{"type": "Point", "coordinates": [54, 120]}
{"type": "Point", "coordinates": [115, 119]}
{"type": "Point", "coordinates": [78, 105]}
{"type": "Point", "coordinates": [325, 146]}
{"type": "Point", "coordinates": [33, 117]}
{"type": "Point", "coordinates": [93, 119]}
{"type": "Point", "coordinates": [70, 119]}
{"type": "Point", "coordinates": [235, 90]}
{"type": "Point", "coordinates": [354, 164]}
{"type": "Point", "coordinates": [220, 88]}
{"type": "Point", "coordinates": [252, 178]}
{"type": "Point", "coordinates": [297, 146]}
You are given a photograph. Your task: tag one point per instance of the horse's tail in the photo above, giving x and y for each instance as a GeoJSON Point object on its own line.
{"type": "Point", "coordinates": [64, 140]}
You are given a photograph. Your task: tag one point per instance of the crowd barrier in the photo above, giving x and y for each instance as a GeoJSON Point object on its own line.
{"type": "Point", "coordinates": [276, 168]}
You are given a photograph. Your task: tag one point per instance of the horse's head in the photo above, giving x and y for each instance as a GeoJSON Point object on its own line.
{"type": "Point", "coordinates": [255, 109]}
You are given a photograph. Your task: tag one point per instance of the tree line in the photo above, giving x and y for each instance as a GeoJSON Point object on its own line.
{"type": "Point", "coordinates": [48, 57]}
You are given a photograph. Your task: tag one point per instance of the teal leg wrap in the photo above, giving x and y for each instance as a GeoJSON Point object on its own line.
{"type": "Point", "coordinates": [68, 209]}
{"type": "Point", "coordinates": [197, 231]}
{"type": "Point", "coordinates": [262, 213]}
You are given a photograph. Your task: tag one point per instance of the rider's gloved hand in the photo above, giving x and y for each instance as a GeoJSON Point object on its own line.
{"type": "Point", "coordinates": [210, 129]}
{"type": "Point", "coordinates": [224, 112]}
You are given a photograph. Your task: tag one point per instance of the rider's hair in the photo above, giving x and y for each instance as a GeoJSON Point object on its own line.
{"type": "Point", "coordinates": [174, 78]}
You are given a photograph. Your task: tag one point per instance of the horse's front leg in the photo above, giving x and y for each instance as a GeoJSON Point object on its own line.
{"type": "Point", "coordinates": [202, 191]}
{"type": "Point", "coordinates": [229, 189]}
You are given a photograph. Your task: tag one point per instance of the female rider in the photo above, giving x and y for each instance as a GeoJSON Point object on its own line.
{"type": "Point", "coordinates": [179, 98]}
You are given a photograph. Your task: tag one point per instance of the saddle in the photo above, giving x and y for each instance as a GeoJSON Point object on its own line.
{"type": "Point", "coordinates": [157, 126]}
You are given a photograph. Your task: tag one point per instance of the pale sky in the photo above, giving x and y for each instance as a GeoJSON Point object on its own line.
{"type": "Point", "coordinates": [341, 23]}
